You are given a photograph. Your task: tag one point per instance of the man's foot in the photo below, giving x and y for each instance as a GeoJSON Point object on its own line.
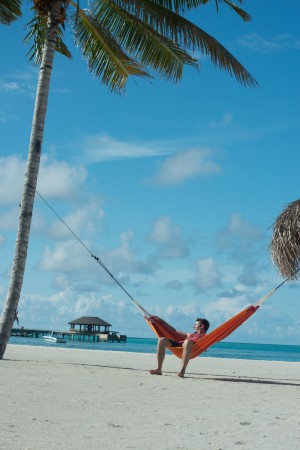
{"type": "Point", "coordinates": [180, 374]}
{"type": "Point", "coordinates": [155, 372]}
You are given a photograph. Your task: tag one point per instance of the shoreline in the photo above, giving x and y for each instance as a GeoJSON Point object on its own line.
{"type": "Point", "coordinates": [224, 350]}
{"type": "Point", "coordinates": [60, 398]}
{"type": "Point", "coordinates": [38, 349]}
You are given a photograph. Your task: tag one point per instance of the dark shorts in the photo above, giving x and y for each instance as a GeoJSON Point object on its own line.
{"type": "Point", "coordinates": [175, 343]}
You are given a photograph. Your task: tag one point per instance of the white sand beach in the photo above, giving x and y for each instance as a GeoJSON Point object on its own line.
{"type": "Point", "coordinates": [57, 398]}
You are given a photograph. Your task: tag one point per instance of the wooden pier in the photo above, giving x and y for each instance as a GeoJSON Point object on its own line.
{"type": "Point", "coordinates": [111, 336]}
{"type": "Point", "coordinates": [29, 332]}
{"type": "Point", "coordinates": [91, 329]}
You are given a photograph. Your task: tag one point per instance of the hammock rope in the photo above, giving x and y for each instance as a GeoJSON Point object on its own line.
{"type": "Point", "coordinates": [96, 258]}
{"type": "Point", "coordinates": [160, 327]}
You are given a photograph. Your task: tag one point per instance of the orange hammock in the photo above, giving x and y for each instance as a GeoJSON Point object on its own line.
{"type": "Point", "coordinates": [163, 329]}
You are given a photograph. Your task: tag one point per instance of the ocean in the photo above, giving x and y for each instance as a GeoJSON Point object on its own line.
{"type": "Point", "coordinates": [266, 352]}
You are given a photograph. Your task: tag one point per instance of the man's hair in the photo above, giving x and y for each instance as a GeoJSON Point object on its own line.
{"type": "Point", "coordinates": [204, 322]}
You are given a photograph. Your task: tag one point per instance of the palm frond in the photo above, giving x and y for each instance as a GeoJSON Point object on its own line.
{"type": "Point", "coordinates": [285, 243]}
{"type": "Point", "coordinates": [106, 59]}
{"type": "Point", "coordinates": [114, 15]}
{"type": "Point", "coordinates": [223, 59]}
{"type": "Point", "coordinates": [144, 42]}
{"type": "Point", "coordinates": [240, 12]}
{"type": "Point", "coordinates": [181, 6]}
{"type": "Point", "coordinates": [61, 46]}
{"type": "Point", "coordinates": [165, 56]}
{"type": "Point", "coordinates": [10, 10]}
{"type": "Point", "coordinates": [37, 31]}
{"type": "Point", "coordinates": [36, 34]}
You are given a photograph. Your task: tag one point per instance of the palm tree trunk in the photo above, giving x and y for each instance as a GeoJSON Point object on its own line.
{"type": "Point", "coordinates": [33, 163]}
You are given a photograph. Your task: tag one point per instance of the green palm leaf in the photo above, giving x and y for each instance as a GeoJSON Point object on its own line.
{"type": "Point", "coordinates": [130, 24]}
{"type": "Point", "coordinates": [142, 41]}
{"type": "Point", "coordinates": [181, 6]}
{"type": "Point", "coordinates": [105, 57]}
{"type": "Point", "coordinates": [10, 10]}
{"type": "Point", "coordinates": [37, 31]}
{"type": "Point", "coordinates": [243, 14]}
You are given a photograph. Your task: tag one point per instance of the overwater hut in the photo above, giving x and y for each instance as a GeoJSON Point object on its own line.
{"type": "Point", "coordinates": [89, 325]}
{"type": "Point", "coordinates": [93, 329]}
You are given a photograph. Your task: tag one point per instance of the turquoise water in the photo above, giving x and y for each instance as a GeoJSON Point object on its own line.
{"type": "Point", "coordinates": [266, 352]}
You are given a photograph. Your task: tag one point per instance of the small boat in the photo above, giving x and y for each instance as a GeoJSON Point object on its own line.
{"type": "Point", "coordinates": [55, 337]}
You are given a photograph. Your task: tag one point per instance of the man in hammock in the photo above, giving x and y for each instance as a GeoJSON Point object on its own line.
{"type": "Point", "coordinates": [188, 340]}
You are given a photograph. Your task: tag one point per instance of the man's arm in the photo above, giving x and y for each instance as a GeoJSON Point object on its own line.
{"type": "Point", "coordinates": [183, 334]}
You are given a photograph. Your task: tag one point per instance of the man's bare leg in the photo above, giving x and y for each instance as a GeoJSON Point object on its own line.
{"type": "Point", "coordinates": [162, 344]}
{"type": "Point", "coordinates": [186, 354]}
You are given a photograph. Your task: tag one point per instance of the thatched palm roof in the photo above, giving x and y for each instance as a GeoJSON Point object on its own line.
{"type": "Point", "coordinates": [285, 243]}
{"type": "Point", "coordinates": [85, 320]}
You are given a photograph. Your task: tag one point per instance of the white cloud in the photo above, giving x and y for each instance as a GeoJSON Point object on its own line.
{"type": "Point", "coordinates": [123, 259]}
{"type": "Point", "coordinates": [124, 251]}
{"type": "Point", "coordinates": [275, 43]}
{"type": "Point", "coordinates": [185, 166]}
{"type": "Point", "coordinates": [207, 274]}
{"type": "Point", "coordinates": [241, 227]}
{"type": "Point", "coordinates": [57, 179]}
{"type": "Point", "coordinates": [250, 274]}
{"type": "Point", "coordinates": [85, 220]}
{"type": "Point", "coordinates": [224, 308]}
{"type": "Point", "coordinates": [224, 122]}
{"type": "Point", "coordinates": [168, 237]}
{"type": "Point", "coordinates": [73, 267]}
{"type": "Point", "coordinates": [239, 237]}
{"type": "Point", "coordinates": [20, 82]}
{"type": "Point", "coordinates": [12, 171]}
{"type": "Point", "coordinates": [9, 219]}
{"type": "Point", "coordinates": [174, 284]}
{"type": "Point", "coordinates": [8, 86]}
{"type": "Point", "coordinates": [66, 257]}
{"type": "Point", "coordinates": [187, 309]}
{"type": "Point", "coordinates": [164, 231]}
{"type": "Point", "coordinates": [105, 148]}
{"type": "Point", "coordinates": [55, 311]}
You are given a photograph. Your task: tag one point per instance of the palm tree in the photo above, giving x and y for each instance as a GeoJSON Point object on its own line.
{"type": "Point", "coordinates": [118, 38]}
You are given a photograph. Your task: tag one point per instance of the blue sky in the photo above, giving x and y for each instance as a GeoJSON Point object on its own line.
{"type": "Point", "coordinates": [174, 187]}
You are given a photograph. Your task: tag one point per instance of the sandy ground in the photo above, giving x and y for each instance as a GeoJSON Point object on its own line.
{"type": "Point", "coordinates": [57, 398]}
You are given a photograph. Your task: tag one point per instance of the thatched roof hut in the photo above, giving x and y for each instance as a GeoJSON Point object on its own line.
{"type": "Point", "coordinates": [285, 243]}
{"type": "Point", "coordinates": [90, 324]}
